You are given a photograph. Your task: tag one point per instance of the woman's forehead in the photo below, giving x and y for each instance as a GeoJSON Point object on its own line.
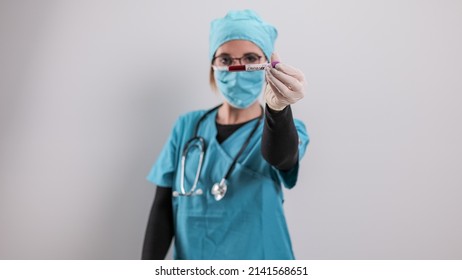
{"type": "Point", "coordinates": [239, 47]}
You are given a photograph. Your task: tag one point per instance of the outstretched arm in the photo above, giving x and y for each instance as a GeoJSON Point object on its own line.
{"type": "Point", "coordinates": [280, 139]}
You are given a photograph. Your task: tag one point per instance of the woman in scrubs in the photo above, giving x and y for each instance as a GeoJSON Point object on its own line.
{"type": "Point", "coordinates": [220, 174]}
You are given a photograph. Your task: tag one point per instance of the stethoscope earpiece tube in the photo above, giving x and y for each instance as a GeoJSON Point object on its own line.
{"type": "Point", "coordinates": [198, 142]}
{"type": "Point", "coordinates": [195, 141]}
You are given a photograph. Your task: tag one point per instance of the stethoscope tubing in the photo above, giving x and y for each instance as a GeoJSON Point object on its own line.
{"type": "Point", "coordinates": [198, 141]}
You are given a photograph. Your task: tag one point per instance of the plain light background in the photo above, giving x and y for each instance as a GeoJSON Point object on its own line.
{"type": "Point", "coordinates": [89, 91]}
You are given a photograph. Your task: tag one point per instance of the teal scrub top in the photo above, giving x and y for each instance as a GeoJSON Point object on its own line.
{"type": "Point", "coordinates": [249, 222]}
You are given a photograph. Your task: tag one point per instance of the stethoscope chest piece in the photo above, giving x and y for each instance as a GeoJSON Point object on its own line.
{"type": "Point", "coordinates": [219, 190]}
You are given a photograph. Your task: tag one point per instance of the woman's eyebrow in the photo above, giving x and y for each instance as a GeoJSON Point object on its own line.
{"type": "Point", "coordinates": [227, 54]}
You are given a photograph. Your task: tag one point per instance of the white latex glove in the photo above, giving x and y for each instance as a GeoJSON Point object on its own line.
{"type": "Point", "coordinates": [285, 85]}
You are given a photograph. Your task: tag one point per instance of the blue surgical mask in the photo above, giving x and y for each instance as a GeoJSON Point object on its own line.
{"type": "Point", "coordinates": [241, 89]}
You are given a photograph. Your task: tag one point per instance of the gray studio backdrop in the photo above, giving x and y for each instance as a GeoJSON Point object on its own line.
{"type": "Point", "coordinates": [90, 89]}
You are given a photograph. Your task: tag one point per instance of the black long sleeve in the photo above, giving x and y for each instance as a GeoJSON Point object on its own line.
{"type": "Point", "coordinates": [159, 231]}
{"type": "Point", "coordinates": [279, 144]}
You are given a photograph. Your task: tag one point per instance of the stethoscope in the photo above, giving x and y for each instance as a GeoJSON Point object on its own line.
{"type": "Point", "coordinates": [218, 189]}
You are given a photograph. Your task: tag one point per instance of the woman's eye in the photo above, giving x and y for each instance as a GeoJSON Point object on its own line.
{"type": "Point", "coordinates": [225, 60]}
{"type": "Point", "coordinates": [251, 58]}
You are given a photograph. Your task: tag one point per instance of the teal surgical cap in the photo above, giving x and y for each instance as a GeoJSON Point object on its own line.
{"type": "Point", "coordinates": [242, 25]}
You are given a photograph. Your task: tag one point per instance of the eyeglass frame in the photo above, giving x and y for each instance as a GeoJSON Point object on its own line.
{"type": "Point", "coordinates": [236, 58]}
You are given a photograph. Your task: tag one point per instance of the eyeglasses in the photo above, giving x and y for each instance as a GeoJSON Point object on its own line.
{"type": "Point", "coordinates": [227, 60]}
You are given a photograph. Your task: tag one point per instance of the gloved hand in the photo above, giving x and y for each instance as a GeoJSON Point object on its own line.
{"type": "Point", "coordinates": [285, 85]}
